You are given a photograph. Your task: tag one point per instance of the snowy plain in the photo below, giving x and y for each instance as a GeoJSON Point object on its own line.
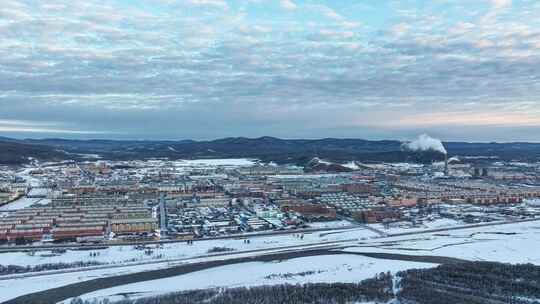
{"type": "Point", "coordinates": [316, 269]}
{"type": "Point", "coordinates": [123, 254]}
{"type": "Point", "coordinates": [217, 162]}
{"type": "Point", "coordinates": [24, 202]}
{"type": "Point", "coordinates": [13, 287]}
{"type": "Point", "coordinates": [511, 243]}
{"type": "Point", "coordinates": [403, 227]}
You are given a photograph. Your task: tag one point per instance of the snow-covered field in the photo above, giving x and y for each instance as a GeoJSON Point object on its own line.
{"type": "Point", "coordinates": [331, 224]}
{"type": "Point", "coordinates": [512, 243]}
{"type": "Point", "coordinates": [122, 254]}
{"type": "Point", "coordinates": [401, 227]}
{"type": "Point", "coordinates": [224, 162]}
{"type": "Point", "coordinates": [10, 289]}
{"type": "Point", "coordinates": [316, 269]}
{"type": "Point", "coordinates": [24, 202]}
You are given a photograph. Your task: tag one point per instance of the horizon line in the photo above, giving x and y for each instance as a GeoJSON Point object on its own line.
{"type": "Point", "coordinates": [2, 137]}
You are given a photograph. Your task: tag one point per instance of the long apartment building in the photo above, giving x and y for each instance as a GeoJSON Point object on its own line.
{"type": "Point", "coordinates": [71, 222]}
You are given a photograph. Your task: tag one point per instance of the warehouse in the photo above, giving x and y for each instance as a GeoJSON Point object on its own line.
{"type": "Point", "coordinates": [65, 233]}
{"type": "Point", "coordinates": [126, 226]}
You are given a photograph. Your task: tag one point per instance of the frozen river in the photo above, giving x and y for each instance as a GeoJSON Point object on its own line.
{"type": "Point", "coordinates": [25, 201]}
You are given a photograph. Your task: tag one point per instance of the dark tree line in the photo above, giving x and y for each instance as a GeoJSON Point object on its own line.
{"type": "Point", "coordinates": [14, 269]}
{"type": "Point", "coordinates": [376, 290]}
{"type": "Point", "coordinates": [219, 249]}
{"type": "Point", "coordinates": [471, 283]}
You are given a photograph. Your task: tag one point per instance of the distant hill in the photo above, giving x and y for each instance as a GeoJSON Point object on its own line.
{"type": "Point", "coordinates": [318, 165]}
{"type": "Point", "coordinates": [299, 151]}
{"type": "Point", "coordinates": [14, 152]}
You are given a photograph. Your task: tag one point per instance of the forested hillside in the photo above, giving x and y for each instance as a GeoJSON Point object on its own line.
{"type": "Point", "coordinates": [297, 151]}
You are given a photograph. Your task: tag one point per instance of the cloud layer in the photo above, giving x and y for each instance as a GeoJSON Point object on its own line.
{"type": "Point", "coordinates": [213, 68]}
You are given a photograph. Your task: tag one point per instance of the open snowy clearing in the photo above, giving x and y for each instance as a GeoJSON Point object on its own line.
{"type": "Point", "coordinates": [25, 202]}
{"type": "Point", "coordinates": [316, 269]}
{"type": "Point", "coordinates": [123, 254]}
{"type": "Point", "coordinates": [331, 224]}
{"type": "Point", "coordinates": [512, 243]}
{"type": "Point", "coordinates": [404, 227]}
{"type": "Point", "coordinates": [10, 289]}
{"type": "Point", "coordinates": [13, 287]}
{"type": "Point", "coordinates": [224, 162]}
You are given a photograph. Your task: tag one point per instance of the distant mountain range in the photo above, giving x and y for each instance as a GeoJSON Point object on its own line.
{"type": "Point", "coordinates": [298, 151]}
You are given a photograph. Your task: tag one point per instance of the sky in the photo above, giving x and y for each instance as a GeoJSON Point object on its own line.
{"type": "Point", "coordinates": [205, 69]}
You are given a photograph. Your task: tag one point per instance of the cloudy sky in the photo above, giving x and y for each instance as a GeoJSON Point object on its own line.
{"type": "Point", "coordinates": [202, 69]}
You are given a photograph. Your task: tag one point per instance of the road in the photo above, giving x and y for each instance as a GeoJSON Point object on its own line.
{"type": "Point", "coordinates": [174, 266]}
{"type": "Point", "coordinates": [498, 223]}
{"type": "Point", "coordinates": [19, 248]}
{"type": "Point", "coordinates": [308, 246]}
{"type": "Point", "coordinates": [55, 295]}
{"type": "Point", "coordinates": [326, 231]}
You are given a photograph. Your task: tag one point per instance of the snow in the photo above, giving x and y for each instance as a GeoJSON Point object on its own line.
{"type": "Point", "coordinates": [321, 161]}
{"type": "Point", "coordinates": [122, 254]}
{"type": "Point", "coordinates": [351, 165]}
{"type": "Point", "coordinates": [18, 285]}
{"type": "Point", "coordinates": [308, 176]}
{"type": "Point", "coordinates": [24, 202]}
{"type": "Point", "coordinates": [89, 156]}
{"type": "Point", "coordinates": [330, 224]}
{"type": "Point", "coordinates": [229, 162]}
{"type": "Point", "coordinates": [403, 227]}
{"type": "Point", "coordinates": [405, 165]}
{"type": "Point", "coordinates": [326, 269]}
{"type": "Point", "coordinates": [10, 289]}
{"type": "Point", "coordinates": [124, 258]}
{"type": "Point", "coordinates": [31, 180]}
{"type": "Point", "coordinates": [511, 243]}
{"type": "Point", "coordinates": [38, 191]}
{"type": "Point", "coordinates": [535, 202]}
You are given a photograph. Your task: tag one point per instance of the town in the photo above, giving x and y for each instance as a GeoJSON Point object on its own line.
{"type": "Point", "coordinates": [125, 202]}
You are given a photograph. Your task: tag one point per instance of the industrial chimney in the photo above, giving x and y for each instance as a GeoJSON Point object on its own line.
{"type": "Point", "coordinates": [446, 164]}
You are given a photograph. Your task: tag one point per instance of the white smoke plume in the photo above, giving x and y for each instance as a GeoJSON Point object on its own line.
{"type": "Point", "coordinates": [425, 143]}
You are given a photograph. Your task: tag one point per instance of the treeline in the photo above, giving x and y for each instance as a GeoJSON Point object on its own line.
{"type": "Point", "coordinates": [471, 283]}
{"type": "Point", "coordinates": [16, 269]}
{"type": "Point", "coordinates": [219, 249]}
{"type": "Point", "coordinates": [289, 275]}
{"type": "Point", "coordinates": [376, 290]}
